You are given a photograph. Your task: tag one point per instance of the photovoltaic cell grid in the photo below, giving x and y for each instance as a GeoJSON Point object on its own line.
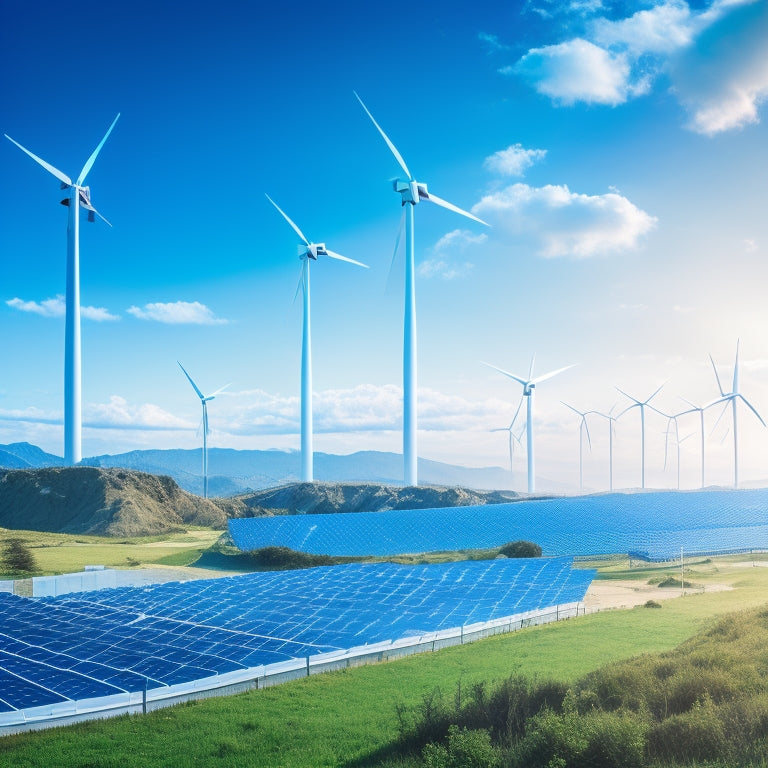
{"type": "Point", "coordinates": [96, 644]}
{"type": "Point", "coordinates": [657, 523]}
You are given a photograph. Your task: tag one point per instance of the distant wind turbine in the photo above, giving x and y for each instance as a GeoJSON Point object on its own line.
{"type": "Point", "coordinates": [611, 429]}
{"type": "Point", "coordinates": [308, 251]}
{"type": "Point", "coordinates": [411, 192]}
{"type": "Point", "coordinates": [700, 410]}
{"type": "Point", "coordinates": [204, 401]}
{"type": "Point", "coordinates": [529, 385]}
{"type": "Point", "coordinates": [513, 438]}
{"type": "Point", "coordinates": [582, 428]}
{"type": "Point", "coordinates": [678, 441]}
{"type": "Point", "coordinates": [77, 196]}
{"type": "Point", "coordinates": [732, 397]}
{"type": "Point", "coordinates": [642, 404]}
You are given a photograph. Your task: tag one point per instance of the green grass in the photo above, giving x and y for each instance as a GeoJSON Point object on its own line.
{"type": "Point", "coordinates": [61, 553]}
{"type": "Point", "coordinates": [349, 718]}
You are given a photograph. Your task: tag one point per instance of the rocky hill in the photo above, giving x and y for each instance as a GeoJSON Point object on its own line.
{"type": "Point", "coordinates": [323, 498]}
{"type": "Point", "coordinates": [105, 502]}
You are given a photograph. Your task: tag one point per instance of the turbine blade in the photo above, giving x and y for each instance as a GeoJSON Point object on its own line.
{"type": "Point", "coordinates": [517, 411]}
{"type": "Point", "coordinates": [300, 284]}
{"type": "Point", "coordinates": [285, 216]}
{"type": "Point", "coordinates": [194, 386]}
{"type": "Point", "coordinates": [506, 373]}
{"type": "Point", "coordinates": [751, 408]}
{"type": "Point", "coordinates": [391, 146]}
{"type": "Point", "coordinates": [530, 368]}
{"type": "Point", "coordinates": [451, 207]}
{"type": "Point", "coordinates": [714, 368]}
{"type": "Point", "coordinates": [572, 408]}
{"type": "Point", "coordinates": [91, 208]}
{"type": "Point", "coordinates": [586, 429]}
{"type": "Point", "coordinates": [48, 167]}
{"type": "Point", "coordinates": [726, 401]}
{"type": "Point", "coordinates": [549, 375]}
{"type": "Point", "coordinates": [630, 397]}
{"type": "Point", "coordinates": [397, 245]}
{"type": "Point", "coordinates": [654, 394]}
{"type": "Point", "coordinates": [89, 162]}
{"type": "Point", "coordinates": [338, 256]}
{"type": "Point", "coordinates": [218, 391]}
{"type": "Point", "coordinates": [736, 369]}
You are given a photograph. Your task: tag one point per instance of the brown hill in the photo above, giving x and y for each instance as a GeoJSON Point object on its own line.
{"type": "Point", "coordinates": [105, 502]}
{"type": "Point", "coordinates": [324, 498]}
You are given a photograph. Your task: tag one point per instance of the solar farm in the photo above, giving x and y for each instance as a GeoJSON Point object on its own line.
{"type": "Point", "coordinates": [91, 653]}
{"type": "Point", "coordinates": [655, 525]}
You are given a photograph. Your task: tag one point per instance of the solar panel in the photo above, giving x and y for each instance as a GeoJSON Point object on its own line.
{"type": "Point", "coordinates": [93, 644]}
{"type": "Point", "coordinates": [659, 523]}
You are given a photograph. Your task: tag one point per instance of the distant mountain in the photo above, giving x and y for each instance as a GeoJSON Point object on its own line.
{"type": "Point", "coordinates": [24, 455]}
{"type": "Point", "coordinates": [105, 502]}
{"type": "Point", "coordinates": [232, 472]}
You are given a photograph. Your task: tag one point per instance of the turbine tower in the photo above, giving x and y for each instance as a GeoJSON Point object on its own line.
{"type": "Point", "coordinates": [611, 430]}
{"type": "Point", "coordinates": [411, 192]}
{"type": "Point", "coordinates": [732, 397]}
{"type": "Point", "coordinates": [308, 251]}
{"type": "Point", "coordinates": [642, 405]}
{"type": "Point", "coordinates": [529, 385]}
{"type": "Point", "coordinates": [77, 196]}
{"type": "Point", "coordinates": [204, 401]}
{"type": "Point", "coordinates": [582, 428]}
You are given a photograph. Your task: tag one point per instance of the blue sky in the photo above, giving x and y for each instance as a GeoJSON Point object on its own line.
{"type": "Point", "coordinates": [617, 149]}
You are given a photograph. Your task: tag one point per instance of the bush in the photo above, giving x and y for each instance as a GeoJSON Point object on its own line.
{"type": "Point", "coordinates": [18, 557]}
{"type": "Point", "coordinates": [283, 558]}
{"type": "Point", "coordinates": [464, 749]}
{"type": "Point", "coordinates": [520, 549]}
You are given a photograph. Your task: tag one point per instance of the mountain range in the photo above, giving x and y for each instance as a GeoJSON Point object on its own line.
{"type": "Point", "coordinates": [233, 472]}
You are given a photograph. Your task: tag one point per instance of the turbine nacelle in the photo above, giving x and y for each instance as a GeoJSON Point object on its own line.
{"type": "Point", "coordinates": [312, 251]}
{"type": "Point", "coordinates": [410, 191]}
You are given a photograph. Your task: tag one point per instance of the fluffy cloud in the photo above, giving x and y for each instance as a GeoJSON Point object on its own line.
{"type": "Point", "coordinates": [577, 70]}
{"type": "Point", "coordinates": [177, 313]}
{"type": "Point", "coordinates": [716, 59]}
{"type": "Point", "coordinates": [56, 307]}
{"type": "Point", "coordinates": [564, 223]}
{"type": "Point", "coordinates": [514, 160]}
{"type": "Point", "coordinates": [118, 413]}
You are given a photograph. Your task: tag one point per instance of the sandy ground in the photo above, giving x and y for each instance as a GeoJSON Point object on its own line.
{"type": "Point", "coordinates": [602, 595]}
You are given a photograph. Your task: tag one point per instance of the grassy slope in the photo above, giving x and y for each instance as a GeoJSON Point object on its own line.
{"type": "Point", "coordinates": [344, 719]}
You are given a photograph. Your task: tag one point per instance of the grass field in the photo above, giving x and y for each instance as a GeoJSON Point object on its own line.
{"type": "Point", "coordinates": [61, 553]}
{"type": "Point", "coordinates": [350, 718]}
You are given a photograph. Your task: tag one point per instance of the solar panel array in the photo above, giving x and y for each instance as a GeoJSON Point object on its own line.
{"type": "Point", "coordinates": [656, 522]}
{"type": "Point", "coordinates": [96, 644]}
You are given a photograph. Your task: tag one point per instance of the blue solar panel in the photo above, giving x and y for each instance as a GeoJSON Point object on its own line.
{"type": "Point", "coordinates": [655, 522]}
{"type": "Point", "coordinates": [101, 643]}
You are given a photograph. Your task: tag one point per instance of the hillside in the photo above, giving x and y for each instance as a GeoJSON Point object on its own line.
{"type": "Point", "coordinates": [105, 502]}
{"type": "Point", "coordinates": [324, 498]}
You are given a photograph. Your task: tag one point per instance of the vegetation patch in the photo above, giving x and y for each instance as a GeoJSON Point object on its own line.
{"type": "Point", "coordinates": [520, 549]}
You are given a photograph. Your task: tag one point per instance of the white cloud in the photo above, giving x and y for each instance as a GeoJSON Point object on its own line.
{"type": "Point", "coordinates": [716, 59]}
{"type": "Point", "coordinates": [31, 416]}
{"type": "Point", "coordinates": [565, 223]}
{"type": "Point", "coordinates": [492, 42]}
{"type": "Point", "coordinates": [459, 239]}
{"type": "Point", "coordinates": [177, 313]}
{"type": "Point", "coordinates": [577, 70]}
{"type": "Point", "coordinates": [118, 413]}
{"type": "Point", "coordinates": [447, 270]}
{"type": "Point", "coordinates": [514, 160]}
{"type": "Point", "coordinates": [56, 307]}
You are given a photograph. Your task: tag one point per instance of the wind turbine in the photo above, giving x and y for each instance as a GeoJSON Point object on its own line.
{"type": "Point", "coordinates": [308, 251]}
{"type": "Point", "coordinates": [678, 441]}
{"type": "Point", "coordinates": [411, 192]}
{"type": "Point", "coordinates": [611, 430]}
{"type": "Point", "coordinates": [732, 397]}
{"type": "Point", "coordinates": [513, 438]}
{"type": "Point", "coordinates": [529, 386]}
{"type": "Point", "coordinates": [642, 404]}
{"type": "Point", "coordinates": [582, 428]}
{"type": "Point", "coordinates": [204, 401]}
{"type": "Point", "coordinates": [77, 196]}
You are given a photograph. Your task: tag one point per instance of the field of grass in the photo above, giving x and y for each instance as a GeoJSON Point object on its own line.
{"type": "Point", "coordinates": [350, 718]}
{"type": "Point", "coordinates": [62, 553]}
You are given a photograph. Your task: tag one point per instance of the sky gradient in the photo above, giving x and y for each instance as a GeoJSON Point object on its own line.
{"type": "Point", "coordinates": [618, 151]}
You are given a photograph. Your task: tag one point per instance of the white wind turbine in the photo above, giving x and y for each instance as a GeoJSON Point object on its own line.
{"type": "Point", "coordinates": [77, 196]}
{"type": "Point", "coordinates": [678, 441]}
{"type": "Point", "coordinates": [582, 428]}
{"type": "Point", "coordinates": [204, 401]}
{"type": "Point", "coordinates": [308, 251]}
{"type": "Point", "coordinates": [529, 386]}
{"type": "Point", "coordinates": [611, 430]}
{"type": "Point", "coordinates": [513, 438]}
{"type": "Point", "coordinates": [642, 404]}
{"type": "Point", "coordinates": [732, 397]}
{"type": "Point", "coordinates": [411, 192]}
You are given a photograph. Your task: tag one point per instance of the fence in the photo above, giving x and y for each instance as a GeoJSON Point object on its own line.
{"type": "Point", "coordinates": [273, 674]}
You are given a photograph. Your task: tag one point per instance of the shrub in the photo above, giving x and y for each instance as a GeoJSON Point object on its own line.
{"type": "Point", "coordinates": [652, 604]}
{"type": "Point", "coordinates": [18, 557]}
{"type": "Point", "coordinates": [464, 749]}
{"type": "Point", "coordinates": [283, 558]}
{"type": "Point", "coordinates": [520, 549]}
